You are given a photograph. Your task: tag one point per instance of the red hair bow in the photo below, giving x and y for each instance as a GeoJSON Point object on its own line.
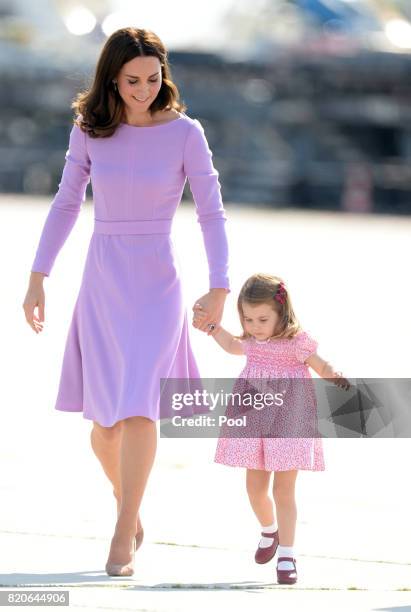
{"type": "Point", "coordinates": [280, 294]}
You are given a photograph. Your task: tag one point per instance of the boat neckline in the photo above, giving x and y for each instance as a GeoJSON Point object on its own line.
{"type": "Point", "coordinates": [152, 127]}
{"type": "Point", "coordinates": [267, 340]}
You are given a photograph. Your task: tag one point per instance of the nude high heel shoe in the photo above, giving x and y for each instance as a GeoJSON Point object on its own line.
{"type": "Point", "coordinates": [120, 569]}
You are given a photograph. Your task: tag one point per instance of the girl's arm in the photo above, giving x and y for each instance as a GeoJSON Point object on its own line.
{"type": "Point", "coordinates": [227, 341]}
{"type": "Point", "coordinates": [326, 370]}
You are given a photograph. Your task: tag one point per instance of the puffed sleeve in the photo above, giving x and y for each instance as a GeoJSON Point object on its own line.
{"type": "Point", "coordinates": [305, 346]}
{"type": "Point", "coordinates": [245, 343]}
{"type": "Point", "coordinates": [206, 190]}
{"type": "Point", "coordinates": [65, 206]}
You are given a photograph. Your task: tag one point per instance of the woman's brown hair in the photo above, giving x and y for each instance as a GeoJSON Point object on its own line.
{"type": "Point", "coordinates": [100, 109]}
{"type": "Point", "coordinates": [261, 288]}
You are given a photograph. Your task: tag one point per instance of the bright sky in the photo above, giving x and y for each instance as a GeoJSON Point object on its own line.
{"type": "Point", "coordinates": [180, 24]}
{"type": "Point", "coordinates": [196, 25]}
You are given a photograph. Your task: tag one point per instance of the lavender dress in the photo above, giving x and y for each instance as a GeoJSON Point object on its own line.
{"type": "Point", "coordinates": [129, 326]}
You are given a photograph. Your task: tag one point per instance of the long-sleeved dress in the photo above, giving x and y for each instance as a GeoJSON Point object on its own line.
{"type": "Point", "coordinates": [129, 327]}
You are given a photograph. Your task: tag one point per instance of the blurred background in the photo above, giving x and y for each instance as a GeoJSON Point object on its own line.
{"type": "Point", "coordinates": [306, 103]}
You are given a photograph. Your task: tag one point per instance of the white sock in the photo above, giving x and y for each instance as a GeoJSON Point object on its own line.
{"type": "Point", "coordinates": [267, 541]}
{"type": "Point", "coordinates": [285, 551]}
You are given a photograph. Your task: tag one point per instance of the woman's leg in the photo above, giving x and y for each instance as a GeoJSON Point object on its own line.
{"type": "Point", "coordinates": [284, 497]}
{"type": "Point", "coordinates": [258, 482]}
{"type": "Point", "coordinates": [137, 452]}
{"type": "Point", "coordinates": [106, 444]}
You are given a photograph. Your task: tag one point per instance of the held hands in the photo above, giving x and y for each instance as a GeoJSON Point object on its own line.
{"type": "Point", "coordinates": [35, 297]}
{"type": "Point", "coordinates": [208, 309]}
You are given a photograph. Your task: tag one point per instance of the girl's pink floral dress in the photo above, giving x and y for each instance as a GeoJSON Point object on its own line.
{"type": "Point", "coordinates": [283, 359]}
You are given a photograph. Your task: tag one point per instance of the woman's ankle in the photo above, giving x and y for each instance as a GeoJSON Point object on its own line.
{"type": "Point", "coordinates": [125, 531]}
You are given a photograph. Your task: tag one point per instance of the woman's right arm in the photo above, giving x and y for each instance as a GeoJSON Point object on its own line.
{"type": "Point", "coordinates": [227, 341]}
{"type": "Point", "coordinates": [35, 298]}
{"type": "Point", "coordinates": [66, 204]}
{"type": "Point", "coordinates": [59, 222]}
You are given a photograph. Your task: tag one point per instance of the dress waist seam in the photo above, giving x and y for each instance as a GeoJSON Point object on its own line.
{"type": "Point", "coordinates": [133, 226]}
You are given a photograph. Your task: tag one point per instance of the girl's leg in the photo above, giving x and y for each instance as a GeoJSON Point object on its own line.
{"type": "Point", "coordinates": [137, 452]}
{"type": "Point", "coordinates": [106, 444]}
{"type": "Point", "coordinates": [258, 482]}
{"type": "Point", "coordinates": [284, 497]}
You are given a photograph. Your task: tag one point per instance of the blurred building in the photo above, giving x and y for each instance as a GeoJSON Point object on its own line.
{"type": "Point", "coordinates": [307, 104]}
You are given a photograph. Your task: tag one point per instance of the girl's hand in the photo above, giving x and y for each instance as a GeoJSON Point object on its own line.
{"type": "Point", "coordinates": [326, 371]}
{"type": "Point", "coordinates": [209, 309]}
{"type": "Point", "coordinates": [35, 297]}
{"type": "Point", "coordinates": [340, 381]}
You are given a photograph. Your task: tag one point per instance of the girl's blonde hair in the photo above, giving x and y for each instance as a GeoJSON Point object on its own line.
{"type": "Point", "coordinates": [261, 288]}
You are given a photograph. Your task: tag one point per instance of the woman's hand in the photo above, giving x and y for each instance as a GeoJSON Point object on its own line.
{"type": "Point", "coordinates": [209, 309]}
{"type": "Point", "coordinates": [35, 297]}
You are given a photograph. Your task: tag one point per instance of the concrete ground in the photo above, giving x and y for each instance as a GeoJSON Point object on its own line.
{"type": "Point", "coordinates": [57, 511]}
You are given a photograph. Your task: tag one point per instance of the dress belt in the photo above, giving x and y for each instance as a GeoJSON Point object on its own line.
{"type": "Point", "coordinates": [135, 226]}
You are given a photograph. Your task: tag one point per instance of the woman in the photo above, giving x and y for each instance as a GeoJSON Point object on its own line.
{"type": "Point", "coordinates": [129, 324]}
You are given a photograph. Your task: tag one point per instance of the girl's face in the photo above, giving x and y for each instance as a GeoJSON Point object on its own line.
{"type": "Point", "coordinates": [260, 320]}
{"type": "Point", "coordinates": [139, 82]}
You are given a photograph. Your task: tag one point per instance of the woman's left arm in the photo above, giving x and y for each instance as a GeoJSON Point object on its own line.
{"type": "Point", "coordinates": [206, 189]}
{"type": "Point", "coordinates": [209, 308]}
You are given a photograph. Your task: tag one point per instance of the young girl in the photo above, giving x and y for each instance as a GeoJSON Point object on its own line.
{"type": "Point", "coordinates": [276, 347]}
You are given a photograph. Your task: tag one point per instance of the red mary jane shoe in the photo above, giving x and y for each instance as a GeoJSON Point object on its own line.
{"type": "Point", "coordinates": [264, 555]}
{"type": "Point", "coordinates": [287, 576]}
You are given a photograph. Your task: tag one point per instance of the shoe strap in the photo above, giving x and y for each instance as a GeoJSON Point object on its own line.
{"type": "Point", "coordinates": [286, 559]}
{"type": "Point", "coordinates": [272, 534]}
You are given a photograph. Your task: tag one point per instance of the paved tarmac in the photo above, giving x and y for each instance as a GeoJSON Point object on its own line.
{"type": "Point", "coordinates": [57, 512]}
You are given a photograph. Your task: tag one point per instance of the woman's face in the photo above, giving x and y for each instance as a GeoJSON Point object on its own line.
{"type": "Point", "coordinates": [139, 82]}
{"type": "Point", "coordinates": [260, 320]}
